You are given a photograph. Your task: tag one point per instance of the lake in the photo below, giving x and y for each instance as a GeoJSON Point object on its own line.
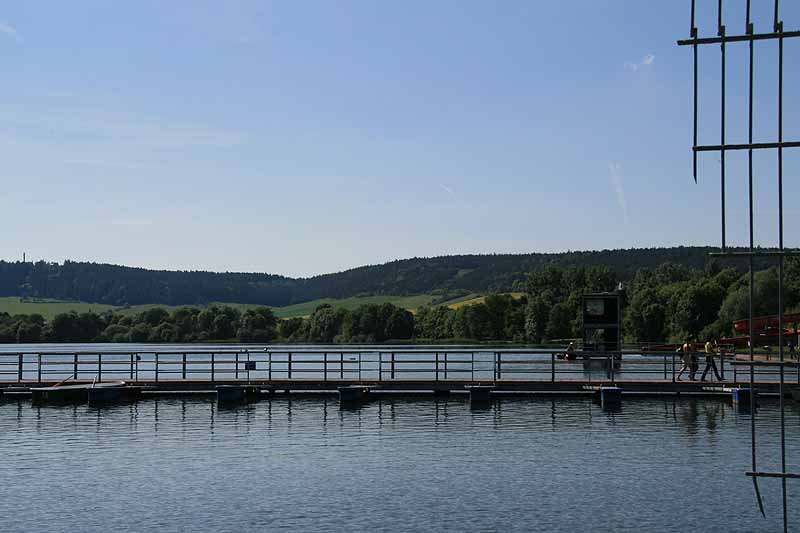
{"type": "Point", "coordinates": [303, 463]}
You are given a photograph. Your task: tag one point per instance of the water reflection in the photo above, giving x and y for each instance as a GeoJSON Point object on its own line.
{"type": "Point", "coordinates": [304, 463]}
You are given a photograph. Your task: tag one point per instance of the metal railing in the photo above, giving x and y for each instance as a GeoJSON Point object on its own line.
{"type": "Point", "coordinates": [331, 364]}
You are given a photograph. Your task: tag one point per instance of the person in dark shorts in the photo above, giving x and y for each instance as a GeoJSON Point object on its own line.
{"type": "Point", "coordinates": [710, 363]}
{"type": "Point", "coordinates": [694, 365]}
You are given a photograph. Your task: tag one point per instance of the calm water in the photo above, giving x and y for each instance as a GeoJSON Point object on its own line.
{"type": "Point", "coordinates": [304, 464]}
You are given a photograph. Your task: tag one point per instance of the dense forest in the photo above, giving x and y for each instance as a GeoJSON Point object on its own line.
{"type": "Point", "coordinates": [669, 302]}
{"type": "Point", "coordinates": [448, 275]}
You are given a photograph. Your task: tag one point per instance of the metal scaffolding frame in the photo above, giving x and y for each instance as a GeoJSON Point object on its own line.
{"type": "Point", "coordinates": [750, 37]}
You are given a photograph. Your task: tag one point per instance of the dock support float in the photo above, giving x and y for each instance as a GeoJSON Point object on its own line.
{"type": "Point", "coordinates": [479, 393]}
{"type": "Point", "coordinates": [236, 393]}
{"type": "Point", "coordinates": [741, 397]}
{"type": "Point", "coordinates": [353, 393]}
{"type": "Point", "coordinates": [796, 394]}
{"type": "Point", "coordinates": [105, 395]}
{"type": "Point", "coordinates": [610, 397]}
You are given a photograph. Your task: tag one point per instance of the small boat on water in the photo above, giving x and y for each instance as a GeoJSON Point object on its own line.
{"type": "Point", "coordinates": [111, 391]}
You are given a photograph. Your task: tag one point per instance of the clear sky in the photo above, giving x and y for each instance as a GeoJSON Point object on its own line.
{"type": "Point", "coordinates": [303, 137]}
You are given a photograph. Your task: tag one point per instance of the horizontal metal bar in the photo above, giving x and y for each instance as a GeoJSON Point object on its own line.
{"type": "Point", "coordinates": [773, 474]}
{"type": "Point", "coordinates": [739, 38]}
{"type": "Point", "coordinates": [758, 253]}
{"type": "Point", "coordinates": [745, 146]}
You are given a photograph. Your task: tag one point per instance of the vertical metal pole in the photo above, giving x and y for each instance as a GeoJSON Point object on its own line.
{"type": "Point", "coordinates": [183, 366]}
{"type": "Point", "coordinates": [778, 27]}
{"type": "Point", "coordinates": [99, 367]}
{"type": "Point", "coordinates": [694, 135]}
{"type": "Point", "coordinates": [393, 366]}
{"type": "Point", "coordinates": [213, 366]}
{"type": "Point", "coordinates": [289, 364]}
{"type": "Point", "coordinates": [665, 367]}
{"type": "Point", "coordinates": [436, 378]}
{"type": "Point", "coordinates": [325, 366]}
{"type": "Point", "coordinates": [445, 365]}
{"type": "Point", "coordinates": [552, 367]}
{"type": "Point", "coordinates": [750, 257]}
{"type": "Point", "coordinates": [359, 366]}
{"type": "Point", "coordinates": [156, 369]}
{"type": "Point", "coordinates": [75, 366]}
{"type": "Point", "coordinates": [341, 365]}
{"type": "Point", "coordinates": [236, 365]}
{"type": "Point", "coordinates": [39, 368]}
{"type": "Point", "coordinates": [132, 361]}
{"type": "Point", "coordinates": [20, 362]}
{"type": "Point", "coordinates": [721, 33]}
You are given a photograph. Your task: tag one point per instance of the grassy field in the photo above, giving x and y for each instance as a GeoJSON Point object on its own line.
{"type": "Point", "coordinates": [50, 308]}
{"type": "Point", "coordinates": [477, 299]}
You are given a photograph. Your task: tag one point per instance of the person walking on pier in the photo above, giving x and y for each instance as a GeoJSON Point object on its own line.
{"type": "Point", "coordinates": [686, 357]}
{"type": "Point", "coordinates": [710, 364]}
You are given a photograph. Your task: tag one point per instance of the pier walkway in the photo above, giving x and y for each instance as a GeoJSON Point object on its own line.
{"type": "Point", "coordinates": [396, 370]}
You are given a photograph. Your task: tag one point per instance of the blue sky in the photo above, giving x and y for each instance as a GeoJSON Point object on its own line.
{"type": "Point", "coordinates": [313, 136]}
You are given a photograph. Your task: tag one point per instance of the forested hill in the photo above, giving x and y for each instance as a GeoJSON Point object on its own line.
{"type": "Point", "coordinates": [120, 285]}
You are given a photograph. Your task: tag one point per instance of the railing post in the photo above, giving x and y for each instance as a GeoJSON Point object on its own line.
{"type": "Point", "coordinates": [445, 365]}
{"type": "Point", "coordinates": [183, 366]}
{"type": "Point", "coordinates": [472, 366]}
{"type": "Point", "coordinates": [665, 367]}
{"type": "Point", "coordinates": [99, 367]}
{"type": "Point", "coordinates": [20, 362]}
{"type": "Point", "coordinates": [722, 364]}
{"type": "Point", "coordinates": [156, 366]}
{"type": "Point", "coordinates": [673, 367]}
{"type": "Point", "coordinates": [39, 368]}
{"type": "Point", "coordinates": [132, 358]}
{"type": "Point", "coordinates": [437, 367]}
{"type": "Point", "coordinates": [341, 365]}
{"type": "Point", "coordinates": [325, 366]}
{"type": "Point", "coordinates": [552, 367]}
{"type": "Point", "coordinates": [213, 366]}
{"type": "Point", "coordinates": [269, 368]}
{"type": "Point", "coordinates": [359, 366]}
{"type": "Point", "coordinates": [500, 366]}
{"type": "Point", "coordinates": [75, 366]}
{"type": "Point", "coordinates": [393, 367]}
{"type": "Point", "coordinates": [236, 365]}
{"type": "Point", "coordinates": [289, 367]}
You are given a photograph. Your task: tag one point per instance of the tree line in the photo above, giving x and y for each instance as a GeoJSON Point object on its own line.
{"type": "Point", "coordinates": [670, 302]}
{"type": "Point", "coordinates": [447, 276]}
